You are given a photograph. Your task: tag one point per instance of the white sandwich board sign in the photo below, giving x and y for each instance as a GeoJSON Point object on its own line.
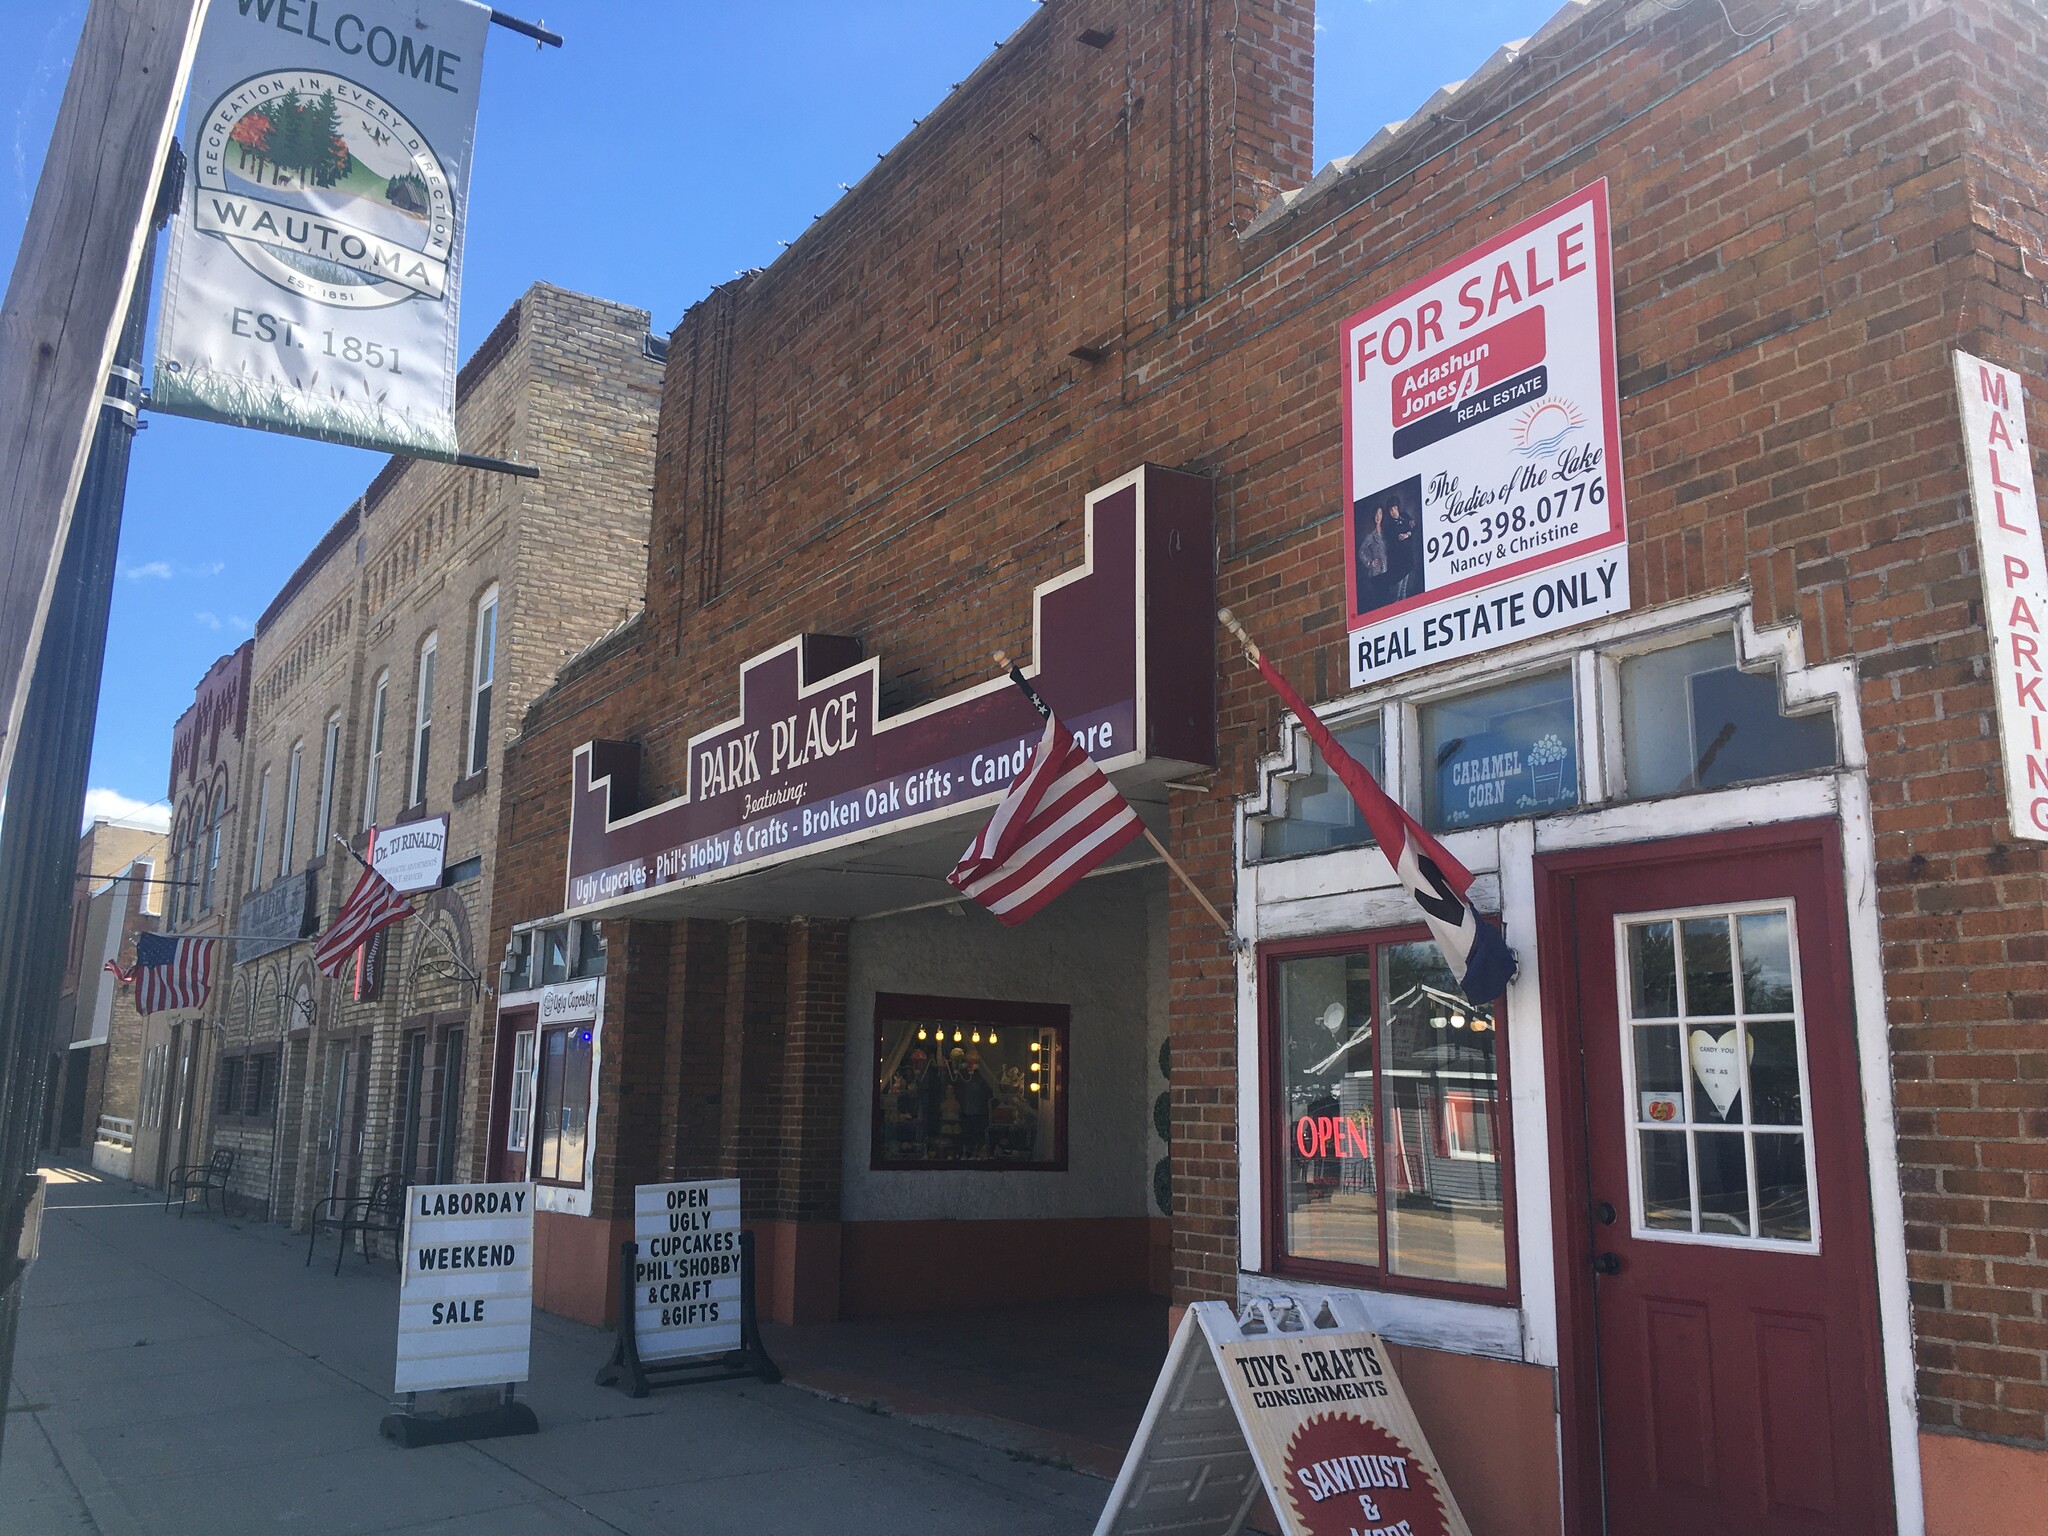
{"type": "Point", "coordinates": [1300, 1402]}
{"type": "Point", "coordinates": [465, 1302]}
{"type": "Point", "coordinates": [686, 1278]}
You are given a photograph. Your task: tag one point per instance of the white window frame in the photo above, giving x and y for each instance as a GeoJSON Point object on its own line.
{"type": "Point", "coordinates": [1629, 1104]}
{"type": "Point", "coordinates": [519, 1118]}
{"type": "Point", "coordinates": [262, 831]}
{"type": "Point", "coordinates": [374, 759]}
{"type": "Point", "coordinates": [483, 674]}
{"type": "Point", "coordinates": [287, 833]}
{"type": "Point", "coordinates": [330, 766]}
{"type": "Point", "coordinates": [422, 719]}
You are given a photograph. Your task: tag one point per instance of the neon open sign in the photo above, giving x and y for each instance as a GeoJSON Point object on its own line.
{"type": "Point", "coordinates": [1334, 1135]}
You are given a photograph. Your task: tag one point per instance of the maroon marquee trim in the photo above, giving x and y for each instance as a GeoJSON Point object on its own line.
{"type": "Point", "coordinates": [1124, 646]}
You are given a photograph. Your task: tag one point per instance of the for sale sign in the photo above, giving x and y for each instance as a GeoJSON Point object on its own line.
{"type": "Point", "coordinates": [1482, 449]}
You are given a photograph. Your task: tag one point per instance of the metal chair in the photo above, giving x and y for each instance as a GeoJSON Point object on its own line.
{"type": "Point", "coordinates": [205, 1177]}
{"type": "Point", "coordinates": [381, 1210]}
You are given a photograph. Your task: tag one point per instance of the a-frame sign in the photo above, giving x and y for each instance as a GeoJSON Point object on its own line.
{"type": "Point", "coordinates": [1298, 1400]}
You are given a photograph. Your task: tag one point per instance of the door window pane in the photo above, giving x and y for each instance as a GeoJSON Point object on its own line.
{"type": "Point", "coordinates": [1724, 1184]}
{"type": "Point", "coordinates": [1318, 812]}
{"type": "Point", "coordinates": [1774, 1073]}
{"type": "Point", "coordinates": [1692, 720]}
{"type": "Point", "coordinates": [1501, 753]}
{"type": "Point", "coordinates": [1717, 1100]}
{"type": "Point", "coordinates": [1667, 1183]}
{"type": "Point", "coordinates": [1783, 1209]}
{"type": "Point", "coordinates": [1766, 963]}
{"type": "Point", "coordinates": [1709, 975]}
{"type": "Point", "coordinates": [1653, 972]}
{"type": "Point", "coordinates": [1659, 1065]}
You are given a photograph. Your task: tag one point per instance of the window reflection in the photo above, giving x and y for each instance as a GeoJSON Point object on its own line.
{"type": "Point", "coordinates": [1692, 719]}
{"type": "Point", "coordinates": [1394, 1126]}
{"type": "Point", "coordinates": [1319, 812]}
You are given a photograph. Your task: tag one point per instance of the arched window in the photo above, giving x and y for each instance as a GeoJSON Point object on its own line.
{"type": "Point", "coordinates": [422, 720]}
{"type": "Point", "coordinates": [482, 673]}
{"type": "Point", "coordinates": [262, 827]}
{"type": "Point", "coordinates": [289, 831]}
{"type": "Point", "coordinates": [330, 764]}
{"type": "Point", "coordinates": [220, 812]}
{"type": "Point", "coordinates": [373, 770]}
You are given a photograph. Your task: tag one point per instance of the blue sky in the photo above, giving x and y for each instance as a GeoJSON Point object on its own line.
{"type": "Point", "coordinates": [746, 120]}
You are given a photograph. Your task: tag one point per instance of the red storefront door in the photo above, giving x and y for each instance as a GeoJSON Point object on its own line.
{"type": "Point", "coordinates": [1724, 1374]}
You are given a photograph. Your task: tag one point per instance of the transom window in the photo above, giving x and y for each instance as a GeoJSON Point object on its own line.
{"type": "Point", "coordinates": [1692, 719]}
{"type": "Point", "coordinates": [1389, 1119]}
{"type": "Point", "coordinates": [1683, 717]}
{"type": "Point", "coordinates": [1714, 1069]}
{"type": "Point", "coordinates": [1500, 753]}
{"type": "Point", "coordinates": [1319, 812]}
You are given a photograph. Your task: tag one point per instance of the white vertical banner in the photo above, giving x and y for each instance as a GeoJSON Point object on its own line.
{"type": "Point", "coordinates": [465, 1300]}
{"type": "Point", "coordinates": [686, 1280]}
{"type": "Point", "coordinates": [315, 260]}
{"type": "Point", "coordinates": [2008, 518]}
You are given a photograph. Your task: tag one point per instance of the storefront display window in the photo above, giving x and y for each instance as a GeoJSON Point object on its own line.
{"type": "Point", "coordinates": [1391, 1120]}
{"type": "Point", "coordinates": [1319, 812]}
{"type": "Point", "coordinates": [966, 1083]}
{"type": "Point", "coordinates": [1691, 719]}
{"type": "Point", "coordinates": [1501, 753]}
{"type": "Point", "coordinates": [562, 1113]}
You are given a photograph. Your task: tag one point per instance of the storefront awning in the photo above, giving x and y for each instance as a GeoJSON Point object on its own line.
{"type": "Point", "coordinates": [812, 801]}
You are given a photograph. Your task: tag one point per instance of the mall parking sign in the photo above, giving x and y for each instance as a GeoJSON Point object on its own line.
{"type": "Point", "coordinates": [1482, 449]}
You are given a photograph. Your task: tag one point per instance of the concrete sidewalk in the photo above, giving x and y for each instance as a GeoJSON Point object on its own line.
{"type": "Point", "coordinates": [190, 1375]}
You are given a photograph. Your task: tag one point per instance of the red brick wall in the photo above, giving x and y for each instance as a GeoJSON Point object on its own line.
{"type": "Point", "coordinates": [885, 435]}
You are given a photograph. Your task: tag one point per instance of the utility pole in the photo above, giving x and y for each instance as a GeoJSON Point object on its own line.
{"type": "Point", "coordinates": [46, 788]}
{"type": "Point", "coordinates": [77, 265]}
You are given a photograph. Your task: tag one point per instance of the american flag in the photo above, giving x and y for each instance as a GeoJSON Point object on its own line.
{"type": "Point", "coordinates": [371, 907]}
{"type": "Point", "coordinates": [1475, 949]}
{"type": "Point", "coordinates": [1059, 819]}
{"type": "Point", "coordinates": [168, 972]}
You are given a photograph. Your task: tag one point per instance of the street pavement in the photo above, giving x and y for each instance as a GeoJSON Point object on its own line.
{"type": "Point", "coordinates": [191, 1375]}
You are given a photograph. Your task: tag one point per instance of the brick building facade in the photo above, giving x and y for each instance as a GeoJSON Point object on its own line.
{"type": "Point", "coordinates": [1108, 249]}
{"type": "Point", "coordinates": [382, 678]}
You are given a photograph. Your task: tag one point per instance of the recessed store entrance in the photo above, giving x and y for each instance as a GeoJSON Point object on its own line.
{"type": "Point", "coordinates": [1721, 1361]}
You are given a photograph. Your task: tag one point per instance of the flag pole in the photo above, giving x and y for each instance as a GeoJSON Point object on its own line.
{"type": "Point", "coordinates": [475, 978]}
{"type": "Point", "coordinates": [1045, 712]}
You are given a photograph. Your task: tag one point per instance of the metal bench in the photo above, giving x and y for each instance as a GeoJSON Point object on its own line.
{"type": "Point", "coordinates": [381, 1210]}
{"type": "Point", "coordinates": [205, 1177]}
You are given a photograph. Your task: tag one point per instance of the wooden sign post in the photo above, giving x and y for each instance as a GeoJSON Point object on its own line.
{"type": "Point", "coordinates": [1301, 1402]}
{"type": "Point", "coordinates": [686, 1292]}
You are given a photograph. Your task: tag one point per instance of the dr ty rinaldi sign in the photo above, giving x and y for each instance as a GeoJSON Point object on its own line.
{"type": "Point", "coordinates": [1482, 448]}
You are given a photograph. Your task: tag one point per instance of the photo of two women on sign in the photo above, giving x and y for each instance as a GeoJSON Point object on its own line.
{"type": "Point", "coordinates": [1387, 544]}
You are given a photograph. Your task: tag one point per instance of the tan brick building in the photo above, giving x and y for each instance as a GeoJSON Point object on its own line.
{"type": "Point", "coordinates": [384, 674]}
{"type": "Point", "coordinates": [96, 1065]}
{"type": "Point", "coordinates": [1669, 1237]}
